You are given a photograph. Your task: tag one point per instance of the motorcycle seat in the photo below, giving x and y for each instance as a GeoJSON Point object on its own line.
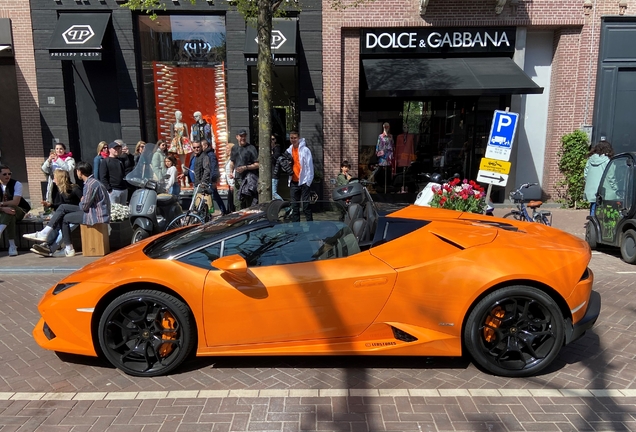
{"type": "Point", "coordinates": [166, 199]}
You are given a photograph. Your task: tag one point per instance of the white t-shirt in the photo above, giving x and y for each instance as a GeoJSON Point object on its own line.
{"type": "Point", "coordinates": [171, 173]}
{"type": "Point", "coordinates": [17, 190]}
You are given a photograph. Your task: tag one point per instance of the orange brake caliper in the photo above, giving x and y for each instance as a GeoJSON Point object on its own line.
{"type": "Point", "coordinates": [168, 323]}
{"type": "Point", "coordinates": [492, 322]}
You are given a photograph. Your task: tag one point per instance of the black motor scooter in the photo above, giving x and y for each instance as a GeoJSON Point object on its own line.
{"type": "Point", "coordinates": [151, 209]}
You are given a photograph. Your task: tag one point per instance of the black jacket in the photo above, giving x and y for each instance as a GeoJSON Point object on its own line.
{"type": "Point", "coordinates": [73, 197]}
{"type": "Point", "coordinates": [112, 171]}
{"type": "Point", "coordinates": [9, 190]}
{"type": "Point", "coordinates": [214, 166]}
{"type": "Point", "coordinates": [201, 168]}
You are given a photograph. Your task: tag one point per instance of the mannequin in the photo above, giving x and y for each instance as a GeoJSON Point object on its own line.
{"type": "Point", "coordinates": [180, 144]}
{"type": "Point", "coordinates": [201, 129]}
{"type": "Point", "coordinates": [384, 151]}
{"type": "Point", "coordinates": [404, 152]}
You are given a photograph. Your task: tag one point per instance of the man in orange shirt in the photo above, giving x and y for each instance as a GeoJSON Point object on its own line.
{"type": "Point", "coordinates": [300, 180]}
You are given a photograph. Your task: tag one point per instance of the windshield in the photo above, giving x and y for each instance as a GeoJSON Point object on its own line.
{"type": "Point", "coordinates": [144, 172]}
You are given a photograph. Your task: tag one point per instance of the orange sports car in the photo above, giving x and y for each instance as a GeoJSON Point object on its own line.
{"type": "Point", "coordinates": [414, 281]}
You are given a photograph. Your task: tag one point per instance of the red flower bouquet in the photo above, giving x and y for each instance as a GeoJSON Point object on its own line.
{"type": "Point", "coordinates": [459, 195]}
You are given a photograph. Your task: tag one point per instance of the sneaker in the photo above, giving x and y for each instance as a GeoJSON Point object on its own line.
{"type": "Point", "coordinates": [42, 249]}
{"type": "Point", "coordinates": [13, 250]}
{"type": "Point", "coordinates": [36, 236]}
{"type": "Point", "coordinates": [63, 253]}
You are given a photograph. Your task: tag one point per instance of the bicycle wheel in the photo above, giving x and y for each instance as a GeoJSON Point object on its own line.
{"type": "Point", "coordinates": [543, 218]}
{"type": "Point", "coordinates": [516, 215]}
{"type": "Point", "coordinates": [184, 220]}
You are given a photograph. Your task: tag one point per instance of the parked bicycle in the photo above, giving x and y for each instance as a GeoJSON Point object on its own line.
{"type": "Point", "coordinates": [198, 212]}
{"type": "Point", "coordinates": [521, 213]}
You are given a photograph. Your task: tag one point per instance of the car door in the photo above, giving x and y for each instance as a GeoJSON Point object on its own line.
{"type": "Point", "coordinates": [614, 198]}
{"type": "Point", "coordinates": [310, 282]}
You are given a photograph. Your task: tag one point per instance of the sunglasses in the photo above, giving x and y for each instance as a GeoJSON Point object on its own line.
{"type": "Point", "coordinates": [6, 174]}
{"type": "Point", "coordinates": [196, 147]}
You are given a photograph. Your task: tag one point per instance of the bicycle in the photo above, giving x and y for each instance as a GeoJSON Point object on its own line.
{"type": "Point", "coordinates": [521, 214]}
{"type": "Point", "coordinates": [197, 213]}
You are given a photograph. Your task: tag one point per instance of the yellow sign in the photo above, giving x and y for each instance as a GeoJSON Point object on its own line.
{"type": "Point", "coordinates": [494, 165]}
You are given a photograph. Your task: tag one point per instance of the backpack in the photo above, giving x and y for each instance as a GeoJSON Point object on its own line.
{"type": "Point", "coordinates": [286, 163]}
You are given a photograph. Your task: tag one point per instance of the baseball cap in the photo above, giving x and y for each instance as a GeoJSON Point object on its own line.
{"type": "Point", "coordinates": [242, 132]}
{"type": "Point", "coordinates": [113, 145]}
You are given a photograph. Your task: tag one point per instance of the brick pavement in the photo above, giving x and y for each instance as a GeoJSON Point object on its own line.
{"type": "Point", "coordinates": [591, 386]}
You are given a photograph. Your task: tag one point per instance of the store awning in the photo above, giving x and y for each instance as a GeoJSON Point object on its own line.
{"type": "Point", "coordinates": [283, 42]}
{"type": "Point", "coordinates": [78, 36]}
{"type": "Point", "coordinates": [450, 76]}
{"type": "Point", "coordinates": [6, 41]}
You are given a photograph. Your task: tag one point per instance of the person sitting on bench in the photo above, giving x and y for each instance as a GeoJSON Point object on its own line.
{"type": "Point", "coordinates": [94, 209]}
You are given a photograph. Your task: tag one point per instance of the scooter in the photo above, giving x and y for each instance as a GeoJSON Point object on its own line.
{"type": "Point", "coordinates": [151, 208]}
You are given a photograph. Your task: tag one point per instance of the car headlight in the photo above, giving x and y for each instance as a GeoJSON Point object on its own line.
{"type": "Point", "coordinates": [63, 287]}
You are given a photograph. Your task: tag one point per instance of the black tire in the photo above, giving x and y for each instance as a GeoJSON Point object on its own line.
{"type": "Point", "coordinates": [628, 246]}
{"type": "Point", "coordinates": [146, 333]}
{"type": "Point", "coordinates": [514, 215]}
{"type": "Point", "coordinates": [514, 332]}
{"type": "Point", "coordinates": [591, 236]}
{"type": "Point", "coordinates": [139, 234]}
{"type": "Point", "coordinates": [542, 219]}
{"type": "Point", "coordinates": [184, 220]}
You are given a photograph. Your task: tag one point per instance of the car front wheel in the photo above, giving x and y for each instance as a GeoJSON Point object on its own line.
{"type": "Point", "coordinates": [515, 331]}
{"type": "Point", "coordinates": [146, 333]}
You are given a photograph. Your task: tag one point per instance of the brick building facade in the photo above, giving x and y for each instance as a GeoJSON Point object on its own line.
{"type": "Point", "coordinates": [20, 136]}
{"type": "Point", "coordinates": [565, 34]}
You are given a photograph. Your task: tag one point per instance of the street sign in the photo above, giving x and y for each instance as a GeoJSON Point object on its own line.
{"type": "Point", "coordinates": [493, 178]}
{"type": "Point", "coordinates": [502, 134]}
{"type": "Point", "coordinates": [494, 165]}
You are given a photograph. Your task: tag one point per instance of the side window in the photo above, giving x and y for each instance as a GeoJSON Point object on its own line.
{"type": "Point", "coordinates": [295, 242]}
{"type": "Point", "coordinates": [203, 257]}
{"type": "Point", "coordinates": [614, 186]}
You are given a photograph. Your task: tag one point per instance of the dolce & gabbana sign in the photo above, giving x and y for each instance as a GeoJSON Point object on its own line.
{"type": "Point", "coordinates": [430, 40]}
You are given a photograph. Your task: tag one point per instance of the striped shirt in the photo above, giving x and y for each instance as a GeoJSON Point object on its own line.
{"type": "Point", "coordinates": [95, 203]}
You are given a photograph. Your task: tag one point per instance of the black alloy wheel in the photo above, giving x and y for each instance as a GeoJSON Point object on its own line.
{"type": "Point", "coordinates": [139, 234]}
{"type": "Point", "coordinates": [628, 246]}
{"type": "Point", "coordinates": [515, 331]}
{"type": "Point", "coordinates": [146, 333]}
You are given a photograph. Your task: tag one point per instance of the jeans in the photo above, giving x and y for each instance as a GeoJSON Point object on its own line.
{"type": "Point", "coordinates": [219, 201]}
{"type": "Point", "coordinates": [275, 189]}
{"type": "Point", "coordinates": [592, 208]}
{"type": "Point", "coordinates": [300, 196]}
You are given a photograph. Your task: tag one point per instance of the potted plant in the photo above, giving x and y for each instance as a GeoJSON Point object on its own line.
{"type": "Point", "coordinates": [121, 231]}
{"type": "Point", "coordinates": [459, 195]}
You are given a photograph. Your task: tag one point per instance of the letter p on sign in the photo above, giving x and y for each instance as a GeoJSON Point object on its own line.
{"type": "Point", "coordinates": [503, 122]}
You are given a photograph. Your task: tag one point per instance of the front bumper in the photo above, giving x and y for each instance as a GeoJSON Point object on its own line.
{"type": "Point", "coordinates": [588, 320]}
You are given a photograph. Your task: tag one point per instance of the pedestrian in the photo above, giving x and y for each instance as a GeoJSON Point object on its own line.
{"type": "Point", "coordinates": [276, 152]}
{"type": "Point", "coordinates": [344, 177]}
{"type": "Point", "coordinates": [200, 172]}
{"type": "Point", "coordinates": [138, 149]}
{"type": "Point", "coordinates": [112, 171]}
{"type": "Point", "coordinates": [300, 180]}
{"type": "Point", "coordinates": [243, 159]}
{"type": "Point", "coordinates": [102, 153]}
{"type": "Point", "coordinates": [158, 160]}
{"type": "Point", "coordinates": [65, 192]}
{"type": "Point", "coordinates": [58, 159]}
{"type": "Point", "coordinates": [214, 175]}
{"type": "Point", "coordinates": [94, 208]}
{"type": "Point", "coordinates": [229, 179]}
{"type": "Point", "coordinates": [597, 160]}
{"type": "Point", "coordinates": [172, 186]}
{"type": "Point", "coordinates": [13, 207]}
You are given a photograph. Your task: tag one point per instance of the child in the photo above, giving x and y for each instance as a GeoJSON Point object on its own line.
{"type": "Point", "coordinates": [172, 186]}
{"type": "Point", "coordinates": [344, 176]}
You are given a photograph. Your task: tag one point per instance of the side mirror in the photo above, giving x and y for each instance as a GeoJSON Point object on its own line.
{"type": "Point", "coordinates": [233, 264]}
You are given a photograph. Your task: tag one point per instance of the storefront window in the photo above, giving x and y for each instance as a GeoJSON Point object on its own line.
{"type": "Point", "coordinates": [183, 63]}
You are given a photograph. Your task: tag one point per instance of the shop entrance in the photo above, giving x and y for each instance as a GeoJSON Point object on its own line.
{"type": "Point", "coordinates": [445, 135]}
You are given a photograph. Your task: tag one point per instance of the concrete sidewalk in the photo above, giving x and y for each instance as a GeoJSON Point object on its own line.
{"type": "Point", "coordinates": [572, 221]}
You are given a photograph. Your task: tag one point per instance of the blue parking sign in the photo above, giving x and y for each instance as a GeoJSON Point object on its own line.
{"type": "Point", "coordinates": [502, 134]}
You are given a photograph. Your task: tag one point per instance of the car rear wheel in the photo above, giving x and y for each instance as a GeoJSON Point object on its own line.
{"type": "Point", "coordinates": [628, 246]}
{"type": "Point", "coordinates": [514, 215]}
{"type": "Point", "coordinates": [590, 235]}
{"type": "Point", "coordinates": [146, 333]}
{"type": "Point", "coordinates": [515, 331]}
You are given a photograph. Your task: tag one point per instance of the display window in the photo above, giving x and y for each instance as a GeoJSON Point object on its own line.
{"type": "Point", "coordinates": [184, 84]}
{"type": "Point", "coordinates": [445, 135]}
